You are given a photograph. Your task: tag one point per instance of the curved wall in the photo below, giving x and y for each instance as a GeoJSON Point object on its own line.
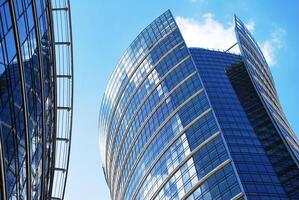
{"type": "Point", "coordinates": [261, 77]}
{"type": "Point", "coordinates": [175, 124]}
{"type": "Point", "coordinates": [280, 141]}
{"type": "Point", "coordinates": [29, 100]}
{"type": "Point", "coordinates": [159, 135]}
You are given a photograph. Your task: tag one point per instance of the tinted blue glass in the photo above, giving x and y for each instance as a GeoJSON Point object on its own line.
{"type": "Point", "coordinates": [261, 77]}
{"type": "Point", "coordinates": [280, 142]}
{"type": "Point", "coordinates": [25, 54]}
{"type": "Point", "coordinates": [251, 161]}
{"type": "Point", "coordinates": [176, 125]}
{"type": "Point", "coordinates": [160, 138]}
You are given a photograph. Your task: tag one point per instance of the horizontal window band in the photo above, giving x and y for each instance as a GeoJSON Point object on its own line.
{"type": "Point", "coordinates": [64, 108]}
{"type": "Point", "coordinates": [153, 89]}
{"type": "Point", "coordinates": [138, 109]}
{"type": "Point", "coordinates": [60, 9]}
{"type": "Point", "coordinates": [143, 102]}
{"type": "Point", "coordinates": [154, 111]}
{"type": "Point", "coordinates": [206, 177]}
{"type": "Point", "coordinates": [115, 103]}
{"type": "Point", "coordinates": [211, 138]}
{"type": "Point", "coordinates": [63, 43]}
{"type": "Point", "coordinates": [162, 125]}
{"type": "Point", "coordinates": [63, 76]}
{"type": "Point", "coordinates": [146, 97]}
{"type": "Point", "coordinates": [238, 196]}
{"type": "Point", "coordinates": [136, 66]}
{"type": "Point", "coordinates": [260, 68]}
{"type": "Point", "coordinates": [60, 169]}
{"type": "Point", "coordinates": [170, 144]}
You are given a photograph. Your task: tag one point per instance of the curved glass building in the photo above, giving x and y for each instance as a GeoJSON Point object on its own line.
{"type": "Point", "coordinates": [36, 89]}
{"type": "Point", "coordinates": [191, 123]}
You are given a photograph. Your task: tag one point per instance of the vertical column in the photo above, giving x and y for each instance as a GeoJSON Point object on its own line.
{"type": "Point", "coordinates": [2, 175]}
{"type": "Point", "coordinates": [41, 74]}
{"type": "Point", "coordinates": [53, 136]}
{"type": "Point", "coordinates": [23, 90]}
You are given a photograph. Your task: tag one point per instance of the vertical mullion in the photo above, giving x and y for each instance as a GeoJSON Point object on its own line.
{"type": "Point", "coordinates": [24, 98]}
{"type": "Point", "coordinates": [2, 173]}
{"type": "Point", "coordinates": [41, 75]}
{"type": "Point", "coordinates": [53, 63]}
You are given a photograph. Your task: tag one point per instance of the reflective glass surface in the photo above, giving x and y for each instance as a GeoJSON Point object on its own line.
{"type": "Point", "coordinates": [26, 99]}
{"type": "Point", "coordinates": [282, 162]}
{"type": "Point", "coordinates": [192, 123]}
{"type": "Point", "coordinates": [253, 166]}
{"type": "Point", "coordinates": [159, 135]}
{"type": "Point", "coordinates": [262, 80]}
{"type": "Point", "coordinates": [265, 112]}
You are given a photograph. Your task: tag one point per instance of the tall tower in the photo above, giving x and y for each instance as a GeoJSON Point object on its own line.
{"type": "Point", "coordinates": [191, 123]}
{"type": "Point", "coordinates": [36, 89]}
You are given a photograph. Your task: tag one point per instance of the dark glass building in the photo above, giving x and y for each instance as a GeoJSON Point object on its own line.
{"type": "Point", "coordinates": [191, 123]}
{"type": "Point", "coordinates": [36, 89]}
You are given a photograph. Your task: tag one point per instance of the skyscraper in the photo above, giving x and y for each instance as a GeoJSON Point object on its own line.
{"type": "Point", "coordinates": [36, 88]}
{"type": "Point", "coordinates": [192, 123]}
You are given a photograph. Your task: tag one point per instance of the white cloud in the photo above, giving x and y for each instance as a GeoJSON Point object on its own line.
{"type": "Point", "coordinates": [250, 26]}
{"type": "Point", "coordinates": [270, 47]}
{"type": "Point", "coordinates": [207, 32]}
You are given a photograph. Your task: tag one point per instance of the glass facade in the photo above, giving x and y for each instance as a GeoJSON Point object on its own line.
{"type": "Point", "coordinates": [174, 124]}
{"type": "Point", "coordinates": [219, 73]}
{"type": "Point", "coordinates": [29, 103]}
{"type": "Point", "coordinates": [265, 112]}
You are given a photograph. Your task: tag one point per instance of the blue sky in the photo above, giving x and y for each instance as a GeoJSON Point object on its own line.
{"type": "Point", "coordinates": [102, 30]}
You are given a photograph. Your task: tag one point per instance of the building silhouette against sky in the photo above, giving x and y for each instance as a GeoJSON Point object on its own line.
{"type": "Point", "coordinates": [192, 123]}
{"type": "Point", "coordinates": [35, 98]}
